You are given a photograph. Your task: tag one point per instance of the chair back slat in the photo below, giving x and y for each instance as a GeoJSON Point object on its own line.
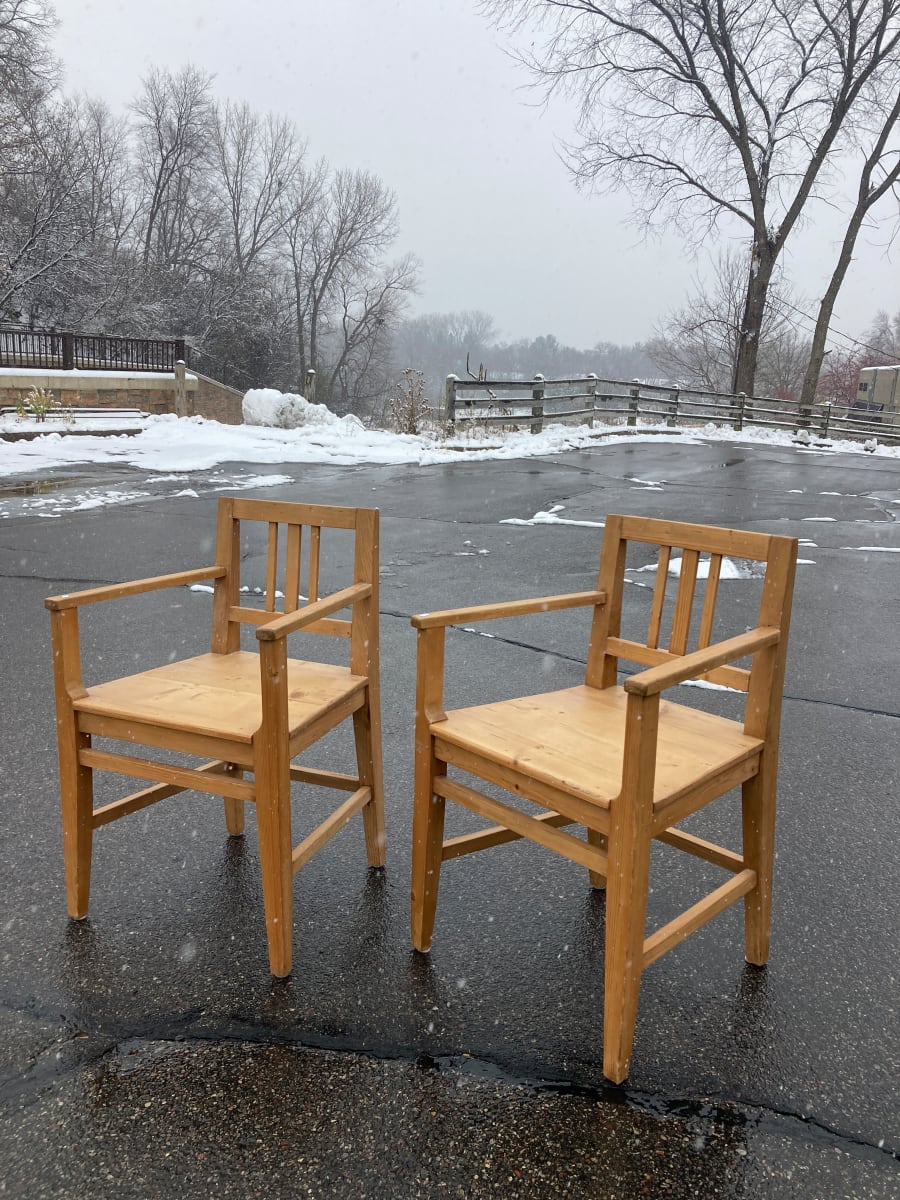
{"type": "Point", "coordinates": [314, 544]}
{"type": "Point", "coordinates": [710, 596]}
{"type": "Point", "coordinates": [272, 567]}
{"type": "Point", "coordinates": [684, 602]}
{"type": "Point", "coordinates": [659, 596]}
{"type": "Point", "coordinates": [292, 568]}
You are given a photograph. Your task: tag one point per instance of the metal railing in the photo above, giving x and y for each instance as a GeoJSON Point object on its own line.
{"type": "Point", "coordinates": [536, 402]}
{"type": "Point", "coordinates": [56, 351]}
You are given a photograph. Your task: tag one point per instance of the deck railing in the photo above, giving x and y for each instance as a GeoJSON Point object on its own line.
{"type": "Point", "coordinates": [55, 351]}
{"type": "Point", "coordinates": [505, 402]}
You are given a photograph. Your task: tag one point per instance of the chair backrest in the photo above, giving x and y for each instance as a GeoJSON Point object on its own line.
{"type": "Point", "coordinates": [292, 570]}
{"type": "Point", "coordinates": [703, 549]}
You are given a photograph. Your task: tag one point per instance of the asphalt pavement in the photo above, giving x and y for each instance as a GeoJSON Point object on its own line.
{"type": "Point", "coordinates": [147, 1052]}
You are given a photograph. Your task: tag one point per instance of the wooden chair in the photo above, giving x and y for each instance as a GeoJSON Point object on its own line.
{"type": "Point", "coordinates": [618, 759]}
{"type": "Point", "coordinates": [248, 713]}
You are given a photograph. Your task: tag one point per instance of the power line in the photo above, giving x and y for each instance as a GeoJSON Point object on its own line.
{"type": "Point", "coordinates": [831, 329]}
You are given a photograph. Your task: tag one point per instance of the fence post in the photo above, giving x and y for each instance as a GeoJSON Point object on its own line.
{"type": "Point", "coordinates": [537, 404]}
{"type": "Point", "coordinates": [68, 351]}
{"type": "Point", "coordinates": [181, 408]}
{"type": "Point", "coordinates": [741, 407]}
{"type": "Point", "coordinates": [591, 398]}
{"type": "Point", "coordinates": [450, 402]}
{"type": "Point", "coordinates": [633, 397]}
{"type": "Point", "coordinates": [672, 417]}
{"type": "Point", "coordinates": [310, 386]}
{"type": "Point", "coordinates": [826, 418]}
{"type": "Point", "coordinates": [179, 351]}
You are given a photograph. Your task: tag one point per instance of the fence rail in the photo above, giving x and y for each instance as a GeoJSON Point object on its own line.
{"type": "Point", "coordinates": [536, 402]}
{"type": "Point", "coordinates": [54, 351]}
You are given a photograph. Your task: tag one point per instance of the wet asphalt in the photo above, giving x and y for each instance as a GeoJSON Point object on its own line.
{"type": "Point", "coordinates": [146, 1052]}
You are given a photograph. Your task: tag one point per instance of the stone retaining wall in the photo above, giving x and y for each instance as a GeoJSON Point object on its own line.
{"type": "Point", "coordinates": [151, 393]}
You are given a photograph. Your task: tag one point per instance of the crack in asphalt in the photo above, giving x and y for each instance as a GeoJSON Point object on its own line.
{"type": "Point", "coordinates": [52, 1065]}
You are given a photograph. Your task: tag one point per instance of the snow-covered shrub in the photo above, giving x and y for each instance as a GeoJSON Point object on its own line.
{"type": "Point", "coordinates": [287, 410]}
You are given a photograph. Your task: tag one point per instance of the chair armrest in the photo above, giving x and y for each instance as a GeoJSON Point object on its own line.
{"type": "Point", "coordinates": [310, 613]}
{"type": "Point", "coordinates": [512, 608]}
{"type": "Point", "coordinates": [687, 666]}
{"type": "Point", "coordinates": [115, 591]}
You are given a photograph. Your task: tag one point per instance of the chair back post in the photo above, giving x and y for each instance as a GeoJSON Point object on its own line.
{"type": "Point", "coordinates": [226, 634]}
{"type": "Point", "coordinates": [763, 712]}
{"type": "Point", "coordinates": [364, 621]}
{"type": "Point", "coordinates": [602, 668]}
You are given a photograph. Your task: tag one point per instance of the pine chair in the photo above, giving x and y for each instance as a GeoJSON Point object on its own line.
{"type": "Point", "coordinates": [618, 759]}
{"type": "Point", "coordinates": [248, 713]}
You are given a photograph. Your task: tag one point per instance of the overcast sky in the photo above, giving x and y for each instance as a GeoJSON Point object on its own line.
{"type": "Point", "coordinates": [422, 93]}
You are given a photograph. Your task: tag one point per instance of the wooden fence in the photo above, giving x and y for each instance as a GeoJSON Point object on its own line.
{"type": "Point", "coordinates": [53, 351]}
{"type": "Point", "coordinates": [514, 403]}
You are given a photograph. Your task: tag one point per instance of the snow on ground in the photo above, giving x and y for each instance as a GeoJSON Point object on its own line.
{"type": "Point", "coordinates": [182, 444]}
{"type": "Point", "coordinates": [549, 518]}
{"type": "Point", "coordinates": [172, 448]}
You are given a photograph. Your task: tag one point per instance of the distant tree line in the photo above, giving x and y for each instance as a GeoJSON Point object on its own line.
{"type": "Point", "coordinates": [192, 217]}
{"type": "Point", "coordinates": [464, 343]}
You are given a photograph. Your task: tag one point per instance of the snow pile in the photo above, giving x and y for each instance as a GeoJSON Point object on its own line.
{"type": "Point", "coordinates": [287, 410]}
{"type": "Point", "coordinates": [729, 569]}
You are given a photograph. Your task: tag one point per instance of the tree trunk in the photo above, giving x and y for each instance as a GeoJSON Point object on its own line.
{"type": "Point", "coordinates": [762, 263]}
{"type": "Point", "coordinates": [826, 308]}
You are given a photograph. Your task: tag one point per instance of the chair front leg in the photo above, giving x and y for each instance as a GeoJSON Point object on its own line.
{"type": "Point", "coordinates": [76, 789]}
{"type": "Point", "coordinates": [428, 842]}
{"type": "Point", "coordinates": [626, 895]}
{"type": "Point", "coordinates": [428, 809]}
{"type": "Point", "coordinates": [76, 785]}
{"type": "Point", "coordinates": [272, 771]}
{"type": "Point", "coordinates": [758, 813]}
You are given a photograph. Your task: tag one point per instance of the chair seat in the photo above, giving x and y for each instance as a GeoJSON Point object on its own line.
{"type": "Point", "coordinates": [573, 740]}
{"type": "Point", "coordinates": [218, 695]}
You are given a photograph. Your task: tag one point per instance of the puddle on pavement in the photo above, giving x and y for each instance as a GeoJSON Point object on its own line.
{"type": "Point", "coordinates": [40, 487]}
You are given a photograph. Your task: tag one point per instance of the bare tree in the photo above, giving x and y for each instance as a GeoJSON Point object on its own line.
{"type": "Point", "coordinates": [698, 344]}
{"type": "Point", "coordinates": [881, 341]}
{"type": "Point", "coordinates": [174, 128]}
{"type": "Point", "coordinates": [28, 71]}
{"type": "Point", "coordinates": [370, 307]}
{"type": "Point", "coordinates": [717, 110]}
{"type": "Point", "coordinates": [56, 211]}
{"type": "Point", "coordinates": [256, 161]}
{"type": "Point", "coordinates": [341, 227]}
{"type": "Point", "coordinates": [878, 177]}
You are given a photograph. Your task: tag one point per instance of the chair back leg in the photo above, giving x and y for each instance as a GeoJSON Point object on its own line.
{"type": "Point", "coordinates": [367, 732]}
{"type": "Point", "coordinates": [234, 808]}
{"type": "Point", "coordinates": [599, 840]}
